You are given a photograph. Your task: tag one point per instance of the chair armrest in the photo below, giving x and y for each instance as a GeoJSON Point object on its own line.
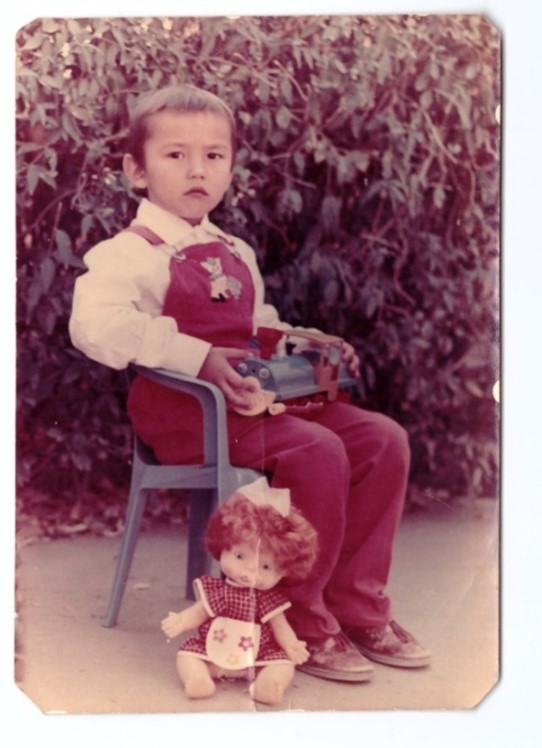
{"type": "Point", "coordinates": [215, 430]}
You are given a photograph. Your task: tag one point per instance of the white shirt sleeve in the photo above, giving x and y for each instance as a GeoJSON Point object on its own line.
{"type": "Point", "coordinates": [117, 309]}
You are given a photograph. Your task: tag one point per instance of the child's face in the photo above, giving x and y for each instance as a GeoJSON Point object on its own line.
{"type": "Point", "coordinates": [187, 163]}
{"type": "Point", "coordinates": [248, 565]}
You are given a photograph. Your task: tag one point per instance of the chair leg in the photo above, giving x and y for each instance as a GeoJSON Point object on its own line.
{"type": "Point", "coordinates": [202, 504]}
{"type": "Point", "coordinates": [134, 514]}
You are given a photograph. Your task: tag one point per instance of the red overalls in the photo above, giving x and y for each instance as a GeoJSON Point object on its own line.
{"type": "Point", "coordinates": [346, 467]}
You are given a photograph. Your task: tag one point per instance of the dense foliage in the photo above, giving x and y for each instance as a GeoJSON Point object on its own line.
{"type": "Point", "coordinates": [367, 180]}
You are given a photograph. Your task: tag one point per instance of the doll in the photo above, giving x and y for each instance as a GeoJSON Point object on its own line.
{"type": "Point", "coordinates": [241, 627]}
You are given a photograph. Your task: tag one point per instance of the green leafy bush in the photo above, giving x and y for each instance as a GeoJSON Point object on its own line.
{"type": "Point", "coordinates": [367, 180]}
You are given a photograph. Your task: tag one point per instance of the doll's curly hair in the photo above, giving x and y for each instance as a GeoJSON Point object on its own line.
{"type": "Point", "coordinates": [291, 540]}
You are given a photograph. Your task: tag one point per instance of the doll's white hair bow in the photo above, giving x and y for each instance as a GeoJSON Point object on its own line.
{"type": "Point", "coordinates": [261, 494]}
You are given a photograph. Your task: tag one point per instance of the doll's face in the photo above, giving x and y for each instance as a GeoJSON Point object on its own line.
{"type": "Point", "coordinates": [248, 565]}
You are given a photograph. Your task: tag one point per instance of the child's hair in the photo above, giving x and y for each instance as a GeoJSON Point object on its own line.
{"type": "Point", "coordinates": [291, 540]}
{"type": "Point", "coordinates": [183, 98]}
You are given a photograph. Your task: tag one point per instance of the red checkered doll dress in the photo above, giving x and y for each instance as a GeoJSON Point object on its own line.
{"type": "Point", "coordinates": [237, 634]}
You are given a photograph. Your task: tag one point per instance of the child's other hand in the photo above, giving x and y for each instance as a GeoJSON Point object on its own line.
{"type": "Point", "coordinates": [350, 358]}
{"type": "Point", "coordinates": [297, 652]}
{"type": "Point", "coordinates": [218, 370]}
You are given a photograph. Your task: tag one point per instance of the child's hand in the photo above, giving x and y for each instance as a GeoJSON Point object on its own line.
{"type": "Point", "coordinates": [218, 370]}
{"type": "Point", "coordinates": [350, 358]}
{"type": "Point", "coordinates": [297, 652]}
{"type": "Point", "coordinates": [174, 625]}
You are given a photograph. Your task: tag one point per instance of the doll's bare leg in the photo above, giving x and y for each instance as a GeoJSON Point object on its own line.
{"type": "Point", "coordinates": [195, 677]}
{"type": "Point", "coordinates": [271, 683]}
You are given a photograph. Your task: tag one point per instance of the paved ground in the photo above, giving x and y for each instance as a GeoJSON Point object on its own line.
{"type": "Point", "coordinates": [444, 586]}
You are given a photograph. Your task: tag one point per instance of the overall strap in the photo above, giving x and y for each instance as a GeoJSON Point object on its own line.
{"type": "Point", "coordinates": [145, 233]}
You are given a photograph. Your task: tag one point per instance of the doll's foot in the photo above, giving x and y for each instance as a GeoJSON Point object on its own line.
{"type": "Point", "coordinates": [271, 683]}
{"type": "Point", "coordinates": [195, 676]}
{"type": "Point", "coordinates": [199, 687]}
{"type": "Point", "coordinates": [271, 693]}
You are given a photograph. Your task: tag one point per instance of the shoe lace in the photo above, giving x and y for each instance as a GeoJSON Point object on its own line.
{"type": "Point", "coordinates": [342, 642]}
{"type": "Point", "coordinates": [400, 632]}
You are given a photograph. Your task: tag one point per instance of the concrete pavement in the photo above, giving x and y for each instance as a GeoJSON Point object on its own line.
{"type": "Point", "coordinates": [444, 585]}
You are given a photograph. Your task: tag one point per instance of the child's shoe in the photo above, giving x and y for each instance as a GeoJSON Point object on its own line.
{"type": "Point", "coordinates": [389, 644]}
{"type": "Point", "coordinates": [336, 658]}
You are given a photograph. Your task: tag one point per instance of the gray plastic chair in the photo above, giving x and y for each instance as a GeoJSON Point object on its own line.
{"type": "Point", "coordinates": [209, 483]}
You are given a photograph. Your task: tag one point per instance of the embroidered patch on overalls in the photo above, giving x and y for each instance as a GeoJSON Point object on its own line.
{"type": "Point", "coordinates": [223, 286]}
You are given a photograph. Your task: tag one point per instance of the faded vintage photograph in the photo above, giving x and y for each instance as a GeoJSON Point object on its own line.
{"type": "Point", "coordinates": [258, 363]}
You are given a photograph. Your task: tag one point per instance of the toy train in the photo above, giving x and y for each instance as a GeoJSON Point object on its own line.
{"type": "Point", "coordinates": [316, 370]}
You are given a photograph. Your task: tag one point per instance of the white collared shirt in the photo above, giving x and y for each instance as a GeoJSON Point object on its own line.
{"type": "Point", "coordinates": [117, 305]}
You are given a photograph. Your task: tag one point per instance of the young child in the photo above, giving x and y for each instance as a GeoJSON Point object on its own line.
{"type": "Point", "coordinates": [242, 631]}
{"type": "Point", "coordinates": [176, 292]}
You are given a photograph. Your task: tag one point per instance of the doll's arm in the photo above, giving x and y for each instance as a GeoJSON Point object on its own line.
{"type": "Point", "coordinates": [190, 618]}
{"type": "Point", "coordinates": [284, 634]}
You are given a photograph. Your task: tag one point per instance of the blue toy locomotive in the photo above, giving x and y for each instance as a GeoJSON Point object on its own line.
{"type": "Point", "coordinates": [316, 370]}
